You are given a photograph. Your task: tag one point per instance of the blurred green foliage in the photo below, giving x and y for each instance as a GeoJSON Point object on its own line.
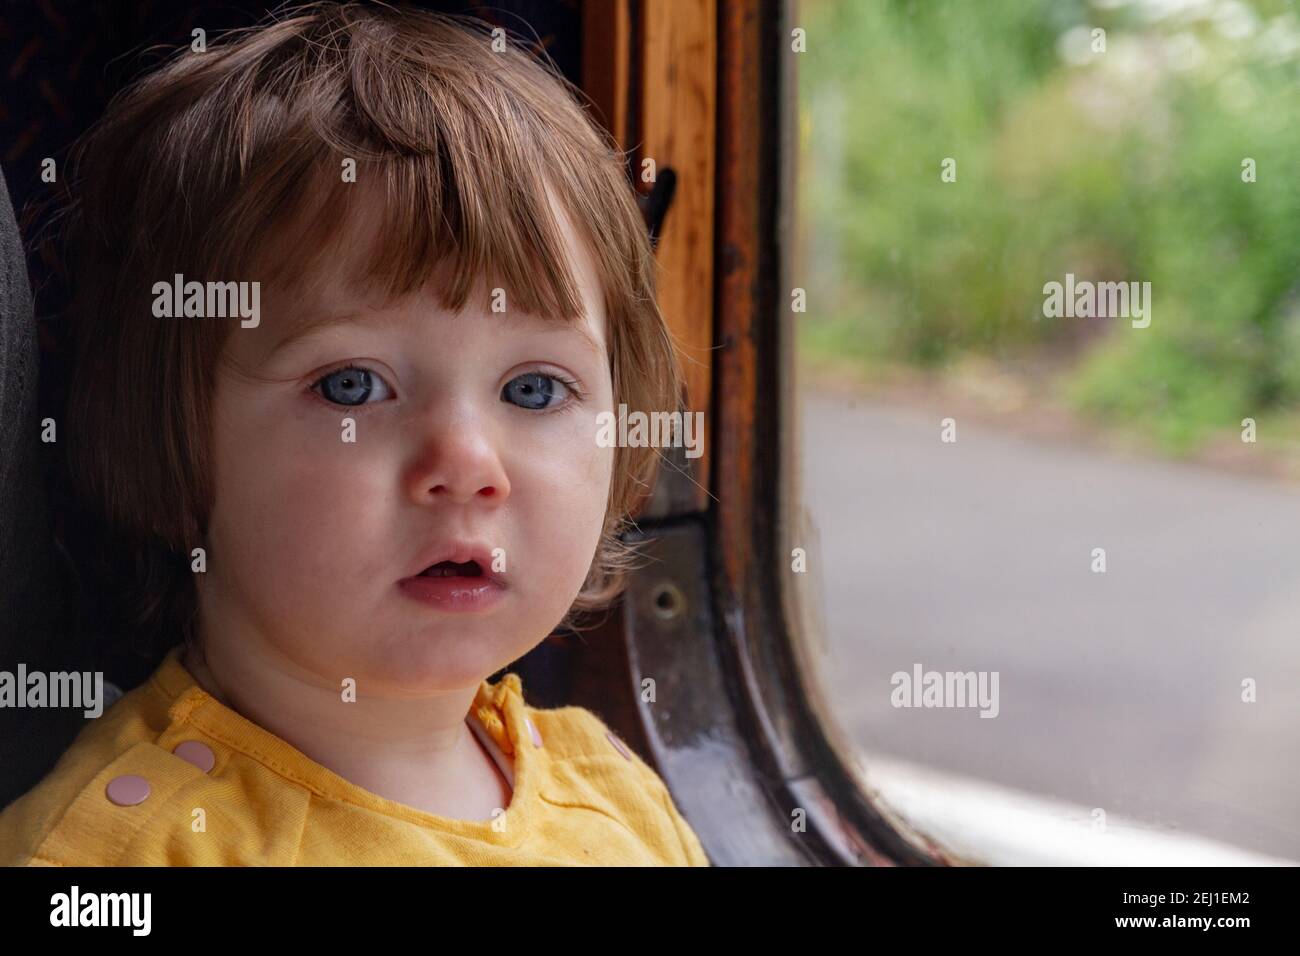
{"type": "Point", "coordinates": [1122, 165]}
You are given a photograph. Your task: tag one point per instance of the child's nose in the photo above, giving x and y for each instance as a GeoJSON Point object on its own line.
{"type": "Point", "coordinates": [458, 463]}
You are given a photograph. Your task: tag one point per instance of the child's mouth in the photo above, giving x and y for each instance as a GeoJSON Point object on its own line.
{"type": "Point", "coordinates": [457, 586]}
{"type": "Point", "coordinates": [452, 569]}
{"type": "Point", "coordinates": [464, 580]}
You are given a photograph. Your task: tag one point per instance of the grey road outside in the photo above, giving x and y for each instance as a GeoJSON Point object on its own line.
{"type": "Point", "coordinates": [1120, 690]}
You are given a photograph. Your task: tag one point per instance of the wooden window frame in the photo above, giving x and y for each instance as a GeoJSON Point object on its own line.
{"type": "Point", "coordinates": [743, 738]}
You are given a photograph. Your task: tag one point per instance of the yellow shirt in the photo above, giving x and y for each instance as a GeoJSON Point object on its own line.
{"type": "Point", "coordinates": [170, 776]}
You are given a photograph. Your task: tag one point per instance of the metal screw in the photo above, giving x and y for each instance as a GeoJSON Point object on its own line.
{"type": "Point", "coordinates": [668, 601]}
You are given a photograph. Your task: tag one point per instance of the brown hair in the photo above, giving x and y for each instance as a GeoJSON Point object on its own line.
{"type": "Point", "coordinates": [208, 165]}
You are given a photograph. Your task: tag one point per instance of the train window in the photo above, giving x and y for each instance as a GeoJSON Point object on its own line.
{"type": "Point", "coordinates": [1043, 287]}
{"type": "Point", "coordinates": [969, 538]}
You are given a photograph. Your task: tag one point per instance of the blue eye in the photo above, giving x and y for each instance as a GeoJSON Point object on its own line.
{"type": "Point", "coordinates": [535, 389]}
{"type": "Point", "coordinates": [351, 386]}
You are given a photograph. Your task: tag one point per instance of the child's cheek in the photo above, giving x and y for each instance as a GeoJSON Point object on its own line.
{"type": "Point", "coordinates": [322, 497]}
{"type": "Point", "coordinates": [298, 502]}
{"type": "Point", "coordinates": [564, 500]}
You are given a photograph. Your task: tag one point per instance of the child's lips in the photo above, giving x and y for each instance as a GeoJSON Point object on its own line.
{"type": "Point", "coordinates": [467, 561]}
{"type": "Point", "coordinates": [456, 593]}
{"type": "Point", "coordinates": [456, 576]}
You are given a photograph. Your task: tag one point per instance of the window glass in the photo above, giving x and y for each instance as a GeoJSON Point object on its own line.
{"type": "Point", "coordinates": [1046, 296]}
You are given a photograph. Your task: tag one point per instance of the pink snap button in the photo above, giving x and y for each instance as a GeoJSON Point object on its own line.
{"type": "Point", "coordinates": [199, 754]}
{"type": "Point", "coordinates": [537, 737]}
{"type": "Point", "coordinates": [127, 790]}
{"type": "Point", "coordinates": [618, 744]}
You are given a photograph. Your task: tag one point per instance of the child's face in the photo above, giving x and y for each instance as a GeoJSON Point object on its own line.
{"type": "Point", "coordinates": [310, 535]}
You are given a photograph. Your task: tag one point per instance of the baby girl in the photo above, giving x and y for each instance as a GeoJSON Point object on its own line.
{"type": "Point", "coordinates": [352, 510]}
